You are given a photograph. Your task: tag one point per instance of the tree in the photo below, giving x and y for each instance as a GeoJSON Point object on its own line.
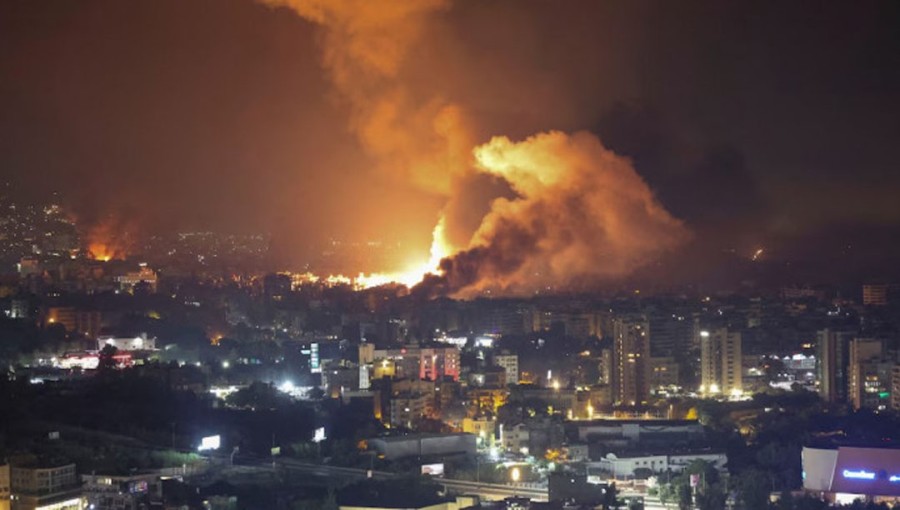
{"type": "Point", "coordinates": [611, 497]}
{"type": "Point", "coordinates": [684, 498]}
{"type": "Point", "coordinates": [258, 395]}
{"type": "Point", "coordinates": [752, 489]}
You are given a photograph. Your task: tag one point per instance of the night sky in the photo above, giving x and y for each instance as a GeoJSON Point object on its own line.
{"type": "Point", "coordinates": [759, 124]}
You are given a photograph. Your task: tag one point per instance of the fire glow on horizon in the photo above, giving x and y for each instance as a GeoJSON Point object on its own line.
{"type": "Point", "coordinates": [408, 277]}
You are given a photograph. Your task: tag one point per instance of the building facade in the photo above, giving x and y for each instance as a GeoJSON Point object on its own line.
{"type": "Point", "coordinates": [631, 361]}
{"type": "Point", "coordinates": [721, 363]}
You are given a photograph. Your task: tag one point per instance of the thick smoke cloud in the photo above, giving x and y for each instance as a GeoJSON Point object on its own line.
{"type": "Point", "coordinates": [579, 214]}
{"type": "Point", "coordinates": [364, 47]}
{"type": "Point", "coordinates": [582, 215]}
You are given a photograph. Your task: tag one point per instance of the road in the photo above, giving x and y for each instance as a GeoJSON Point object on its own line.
{"type": "Point", "coordinates": [486, 491]}
{"type": "Point", "coordinates": [491, 491]}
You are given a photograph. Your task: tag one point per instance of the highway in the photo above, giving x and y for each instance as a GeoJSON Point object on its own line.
{"type": "Point", "coordinates": [486, 491]}
{"type": "Point", "coordinates": [490, 491]}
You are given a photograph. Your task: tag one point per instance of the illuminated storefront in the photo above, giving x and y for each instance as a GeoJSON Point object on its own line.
{"type": "Point", "coordinates": [844, 474]}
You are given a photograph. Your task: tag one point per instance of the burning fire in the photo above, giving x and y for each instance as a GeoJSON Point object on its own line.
{"type": "Point", "coordinates": [100, 251]}
{"type": "Point", "coordinates": [408, 277]}
{"type": "Point", "coordinates": [106, 241]}
{"type": "Point", "coordinates": [579, 213]}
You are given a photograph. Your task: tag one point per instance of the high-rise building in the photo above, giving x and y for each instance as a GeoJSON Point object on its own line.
{"type": "Point", "coordinates": [875, 294]}
{"type": "Point", "coordinates": [606, 367]}
{"type": "Point", "coordinates": [663, 372]}
{"type": "Point", "coordinates": [631, 356]}
{"type": "Point", "coordinates": [895, 387]}
{"type": "Point", "coordinates": [832, 356]}
{"type": "Point", "coordinates": [720, 362]}
{"type": "Point", "coordinates": [510, 363]}
{"type": "Point", "coordinates": [862, 351]}
{"type": "Point", "coordinates": [670, 333]}
{"type": "Point", "coordinates": [875, 383]}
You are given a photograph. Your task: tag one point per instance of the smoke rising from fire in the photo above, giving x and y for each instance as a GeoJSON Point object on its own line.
{"type": "Point", "coordinates": [108, 239]}
{"type": "Point", "coordinates": [364, 46]}
{"type": "Point", "coordinates": [580, 214]}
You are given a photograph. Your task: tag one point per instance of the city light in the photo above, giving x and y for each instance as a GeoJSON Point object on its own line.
{"type": "Point", "coordinates": [210, 443]}
{"type": "Point", "coordinates": [859, 474]}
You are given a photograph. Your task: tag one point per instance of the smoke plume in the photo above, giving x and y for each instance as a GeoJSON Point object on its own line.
{"type": "Point", "coordinates": [580, 214]}
{"type": "Point", "coordinates": [423, 140]}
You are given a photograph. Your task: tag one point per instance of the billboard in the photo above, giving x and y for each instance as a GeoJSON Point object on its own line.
{"type": "Point", "coordinates": [210, 443]}
{"type": "Point", "coordinates": [314, 362]}
{"type": "Point", "coordinates": [433, 469]}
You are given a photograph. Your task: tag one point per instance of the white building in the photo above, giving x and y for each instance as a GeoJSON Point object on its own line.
{"type": "Point", "coordinates": [515, 438]}
{"type": "Point", "coordinates": [624, 465]}
{"type": "Point", "coordinates": [136, 343]}
{"type": "Point", "coordinates": [145, 275]}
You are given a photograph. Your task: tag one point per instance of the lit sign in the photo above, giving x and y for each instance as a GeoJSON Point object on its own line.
{"type": "Point", "coordinates": [210, 443]}
{"type": "Point", "coordinates": [433, 469]}
{"type": "Point", "coordinates": [314, 364]}
{"type": "Point", "coordinates": [859, 475]}
{"type": "Point", "coordinates": [319, 435]}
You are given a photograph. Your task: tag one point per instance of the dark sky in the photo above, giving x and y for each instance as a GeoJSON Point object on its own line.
{"type": "Point", "coordinates": [758, 123]}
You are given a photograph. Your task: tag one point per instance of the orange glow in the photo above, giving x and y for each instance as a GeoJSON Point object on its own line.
{"type": "Point", "coordinates": [579, 214]}
{"type": "Point", "coordinates": [416, 272]}
{"type": "Point", "coordinates": [106, 241]}
{"type": "Point", "coordinates": [409, 277]}
{"type": "Point", "coordinates": [99, 251]}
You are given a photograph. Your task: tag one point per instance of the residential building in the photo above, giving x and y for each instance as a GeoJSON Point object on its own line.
{"type": "Point", "coordinates": [631, 361]}
{"type": "Point", "coordinates": [407, 409]}
{"type": "Point", "coordinates": [663, 372]}
{"type": "Point", "coordinates": [875, 294]}
{"type": "Point", "coordinates": [721, 363]}
{"type": "Point", "coordinates": [863, 379]}
{"type": "Point", "coordinates": [832, 356]}
{"type": "Point", "coordinates": [56, 488]}
{"type": "Point", "coordinates": [509, 363]}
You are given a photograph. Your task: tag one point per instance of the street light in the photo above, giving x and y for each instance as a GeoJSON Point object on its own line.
{"type": "Point", "coordinates": [515, 474]}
